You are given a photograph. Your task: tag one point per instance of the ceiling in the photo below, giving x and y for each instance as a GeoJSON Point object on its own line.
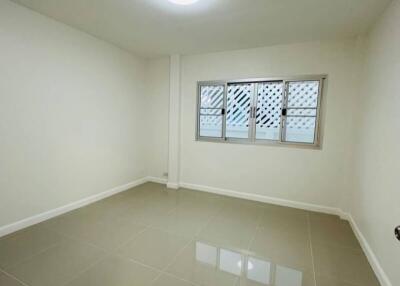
{"type": "Point", "coordinates": [153, 28]}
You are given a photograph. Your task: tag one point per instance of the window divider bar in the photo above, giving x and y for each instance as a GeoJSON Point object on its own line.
{"type": "Point", "coordinates": [253, 111]}
{"type": "Point", "coordinates": [225, 107]}
{"type": "Point", "coordinates": [282, 129]}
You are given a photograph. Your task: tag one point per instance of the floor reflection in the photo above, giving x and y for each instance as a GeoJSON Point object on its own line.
{"type": "Point", "coordinates": [252, 268]}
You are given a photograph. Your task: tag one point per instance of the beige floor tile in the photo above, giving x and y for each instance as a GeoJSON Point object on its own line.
{"type": "Point", "coordinates": [6, 280]}
{"type": "Point", "coordinates": [344, 264]}
{"type": "Point", "coordinates": [166, 280]}
{"type": "Point", "coordinates": [230, 233]}
{"type": "Point", "coordinates": [198, 263]}
{"type": "Point", "coordinates": [284, 277]}
{"type": "Point", "coordinates": [202, 208]}
{"type": "Point", "coordinates": [154, 247]}
{"type": "Point", "coordinates": [330, 230]}
{"type": "Point", "coordinates": [108, 235]}
{"type": "Point", "coordinates": [116, 271]}
{"type": "Point", "coordinates": [145, 191]}
{"type": "Point", "coordinates": [149, 214]}
{"type": "Point", "coordinates": [157, 228]}
{"type": "Point", "coordinates": [184, 221]}
{"type": "Point", "coordinates": [282, 249]}
{"type": "Point", "coordinates": [57, 265]}
{"type": "Point", "coordinates": [287, 223]}
{"type": "Point", "coordinates": [241, 211]}
{"type": "Point", "coordinates": [190, 196]}
{"type": "Point", "coordinates": [94, 213]}
{"type": "Point", "coordinates": [331, 281]}
{"type": "Point", "coordinates": [25, 243]}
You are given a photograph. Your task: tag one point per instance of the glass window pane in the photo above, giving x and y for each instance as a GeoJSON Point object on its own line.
{"type": "Point", "coordinates": [212, 96]}
{"type": "Point", "coordinates": [211, 104]}
{"type": "Point", "coordinates": [300, 129]}
{"type": "Point", "coordinates": [302, 107]}
{"type": "Point", "coordinates": [269, 110]}
{"type": "Point", "coordinates": [302, 112]}
{"type": "Point", "coordinates": [239, 99]}
{"type": "Point", "coordinates": [303, 94]}
{"type": "Point", "coordinates": [210, 126]}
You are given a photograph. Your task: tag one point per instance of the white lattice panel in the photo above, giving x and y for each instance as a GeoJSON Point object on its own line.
{"type": "Point", "coordinates": [302, 111]}
{"type": "Point", "coordinates": [269, 104]}
{"type": "Point", "coordinates": [303, 94]}
{"type": "Point", "coordinates": [211, 104]}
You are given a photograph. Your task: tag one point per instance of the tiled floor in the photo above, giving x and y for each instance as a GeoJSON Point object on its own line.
{"type": "Point", "coordinates": [153, 236]}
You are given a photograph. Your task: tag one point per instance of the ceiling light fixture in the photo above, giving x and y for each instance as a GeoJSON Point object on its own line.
{"type": "Point", "coordinates": [183, 2]}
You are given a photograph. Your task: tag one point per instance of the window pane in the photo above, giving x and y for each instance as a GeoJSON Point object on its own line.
{"type": "Point", "coordinates": [302, 107]}
{"type": "Point", "coordinates": [303, 94]}
{"type": "Point", "coordinates": [210, 126]}
{"type": "Point", "coordinates": [212, 96]}
{"type": "Point", "coordinates": [211, 104]}
{"type": "Point", "coordinates": [300, 129]}
{"type": "Point", "coordinates": [269, 110]}
{"type": "Point", "coordinates": [238, 110]}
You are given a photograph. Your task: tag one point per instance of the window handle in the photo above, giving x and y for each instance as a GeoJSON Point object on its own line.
{"type": "Point", "coordinates": [222, 111]}
{"type": "Point", "coordinates": [284, 111]}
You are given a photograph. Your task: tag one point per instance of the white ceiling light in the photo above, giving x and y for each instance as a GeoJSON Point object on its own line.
{"type": "Point", "coordinates": [183, 2]}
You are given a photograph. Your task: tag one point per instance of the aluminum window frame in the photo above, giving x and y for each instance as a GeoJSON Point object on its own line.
{"type": "Point", "coordinates": [252, 140]}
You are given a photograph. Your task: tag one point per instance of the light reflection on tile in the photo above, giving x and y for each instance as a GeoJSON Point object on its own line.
{"type": "Point", "coordinates": [230, 261]}
{"type": "Point", "coordinates": [246, 267]}
{"type": "Point", "coordinates": [206, 253]}
{"type": "Point", "coordinates": [288, 277]}
{"type": "Point", "coordinates": [259, 270]}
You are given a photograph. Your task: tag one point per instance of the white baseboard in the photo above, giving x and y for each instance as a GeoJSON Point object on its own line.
{"type": "Point", "coordinates": [4, 230]}
{"type": "Point", "coordinates": [264, 199]}
{"type": "Point", "coordinates": [372, 259]}
{"type": "Point", "coordinates": [156, 180]}
{"type": "Point", "coordinates": [171, 185]}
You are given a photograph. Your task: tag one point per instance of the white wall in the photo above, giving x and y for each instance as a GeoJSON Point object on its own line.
{"type": "Point", "coordinates": [310, 176]}
{"type": "Point", "coordinates": [376, 199]}
{"type": "Point", "coordinates": [71, 114]}
{"type": "Point", "coordinates": [157, 119]}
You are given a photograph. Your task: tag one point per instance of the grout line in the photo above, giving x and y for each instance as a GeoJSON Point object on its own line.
{"type": "Point", "coordinates": [34, 255]}
{"type": "Point", "coordinates": [79, 273]}
{"type": "Point", "coordinates": [193, 239]}
{"type": "Point", "coordinates": [13, 277]}
{"type": "Point", "coordinates": [311, 248]}
{"type": "Point", "coordinates": [178, 278]}
{"type": "Point", "coordinates": [256, 229]}
{"type": "Point", "coordinates": [108, 252]}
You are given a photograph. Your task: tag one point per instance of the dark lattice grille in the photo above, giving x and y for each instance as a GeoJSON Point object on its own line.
{"type": "Point", "coordinates": [238, 104]}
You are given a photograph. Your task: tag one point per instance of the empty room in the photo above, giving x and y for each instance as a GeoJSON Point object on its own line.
{"type": "Point", "coordinates": [199, 142]}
